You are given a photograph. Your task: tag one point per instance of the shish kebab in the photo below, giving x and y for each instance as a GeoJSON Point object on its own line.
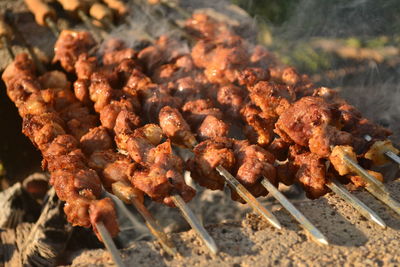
{"type": "Point", "coordinates": [160, 175]}
{"type": "Point", "coordinates": [75, 182]}
{"type": "Point", "coordinates": [152, 104]}
{"type": "Point", "coordinates": [127, 195]}
{"type": "Point", "coordinates": [120, 189]}
{"type": "Point", "coordinates": [222, 70]}
{"type": "Point", "coordinates": [202, 25]}
{"type": "Point", "coordinates": [167, 69]}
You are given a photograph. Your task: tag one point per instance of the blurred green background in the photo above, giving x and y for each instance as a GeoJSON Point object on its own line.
{"type": "Point", "coordinates": [350, 45]}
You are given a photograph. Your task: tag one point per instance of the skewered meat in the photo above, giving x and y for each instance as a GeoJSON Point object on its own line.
{"type": "Point", "coordinates": [69, 46]}
{"type": "Point", "coordinates": [212, 127]}
{"type": "Point", "coordinates": [208, 155]}
{"type": "Point", "coordinates": [258, 129]}
{"type": "Point", "coordinates": [253, 164]}
{"type": "Point", "coordinates": [175, 127]}
{"type": "Point", "coordinates": [309, 122]}
{"type": "Point", "coordinates": [195, 111]}
{"type": "Point", "coordinates": [311, 171]}
{"type": "Point", "coordinates": [72, 179]}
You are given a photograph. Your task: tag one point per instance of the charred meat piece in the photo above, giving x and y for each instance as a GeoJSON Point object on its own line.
{"type": "Point", "coordinates": [175, 127]}
{"type": "Point", "coordinates": [70, 44]}
{"type": "Point", "coordinates": [195, 112]}
{"type": "Point", "coordinates": [96, 139]}
{"type": "Point", "coordinates": [208, 155]}
{"type": "Point", "coordinates": [231, 98]}
{"type": "Point", "coordinates": [271, 98]}
{"type": "Point", "coordinates": [253, 164]}
{"type": "Point", "coordinates": [310, 122]}
{"type": "Point", "coordinates": [212, 127]}
{"type": "Point", "coordinates": [311, 171]}
{"type": "Point", "coordinates": [164, 177]}
{"type": "Point", "coordinates": [258, 129]}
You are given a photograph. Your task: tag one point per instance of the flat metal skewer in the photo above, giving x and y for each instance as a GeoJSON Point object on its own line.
{"type": "Point", "coordinates": [109, 243]}
{"type": "Point", "coordinates": [52, 26]}
{"type": "Point", "coordinates": [86, 20]}
{"type": "Point", "coordinates": [195, 223]}
{"type": "Point", "coordinates": [248, 197]}
{"type": "Point", "coordinates": [150, 221]}
{"type": "Point", "coordinates": [388, 153]}
{"type": "Point", "coordinates": [368, 178]}
{"type": "Point", "coordinates": [307, 225]}
{"type": "Point", "coordinates": [374, 186]}
{"type": "Point", "coordinates": [342, 192]}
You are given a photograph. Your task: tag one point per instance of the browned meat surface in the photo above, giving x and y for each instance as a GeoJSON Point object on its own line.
{"type": "Point", "coordinates": [231, 98]}
{"type": "Point", "coordinates": [116, 56]}
{"type": "Point", "coordinates": [96, 139]}
{"type": "Point", "coordinates": [208, 155]}
{"type": "Point", "coordinates": [251, 76]}
{"type": "Point", "coordinates": [196, 110]}
{"type": "Point", "coordinates": [258, 129]}
{"type": "Point", "coordinates": [279, 148]}
{"type": "Point", "coordinates": [175, 127]}
{"type": "Point", "coordinates": [103, 210]}
{"type": "Point", "coordinates": [253, 163]}
{"type": "Point", "coordinates": [164, 177]}
{"type": "Point", "coordinates": [311, 171]}
{"type": "Point", "coordinates": [212, 127]}
{"type": "Point", "coordinates": [70, 44]}
{"type": "Point", "coordinates": [74, 182]}
{"type": "Point", "coordinates": [309, 122]}
{"type": "Point", "coordinates": [271, 98]}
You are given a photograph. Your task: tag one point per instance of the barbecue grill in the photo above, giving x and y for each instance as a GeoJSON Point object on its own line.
{"type": "Point", "coordinates": [113, 16]}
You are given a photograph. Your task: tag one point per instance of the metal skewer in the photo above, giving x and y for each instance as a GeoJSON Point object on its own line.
{"type": "Point", "coordinates": [123, 192]}
{"type": "Point", "coordinates": [307, 225]}
{"type": "Point", "coordinates": [388, 153]}
{"type": "Point", "coordinates": [248, 197]}
{"type": "Point", "coordinates": [342, 192]}
{"type": "Point", "coordinates": [86, 20]}
{"type": "Point", "coordinates": [44, 14]}
{"type": "Point", "coordinates": [103, 14]}
{"type": "Point", "coordinates": [109, 243]}
{"type": "Point", "coordinates": [195, 223]}
{"type": "Point", "coordinates": [374, 186]}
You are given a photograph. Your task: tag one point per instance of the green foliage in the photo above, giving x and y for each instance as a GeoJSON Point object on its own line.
{"type": "Point", "coordinates": [273, 11]}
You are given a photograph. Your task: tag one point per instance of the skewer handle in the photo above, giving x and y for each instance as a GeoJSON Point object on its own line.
{"type": "Point", "coordinates": [100, 12]}
{"type": "Point", "coordinates": [118, 6]}
{"type": "Point", "coordinates": [71, 5]}
{"type": "Point", "coordinates": [109, 243]}
{"type": "Point", "coordinates": [41, 11]}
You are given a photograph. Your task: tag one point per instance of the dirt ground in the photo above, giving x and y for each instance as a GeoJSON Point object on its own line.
{"type": "Point", "coordinates": [354, 240]}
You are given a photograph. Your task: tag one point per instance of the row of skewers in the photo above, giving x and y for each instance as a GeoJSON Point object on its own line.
{"type": "Point", "coordinates": [248, 121]}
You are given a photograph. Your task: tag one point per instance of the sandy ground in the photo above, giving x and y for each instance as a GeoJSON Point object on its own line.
{"type": "Point", "coordinates": [354, 240]}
